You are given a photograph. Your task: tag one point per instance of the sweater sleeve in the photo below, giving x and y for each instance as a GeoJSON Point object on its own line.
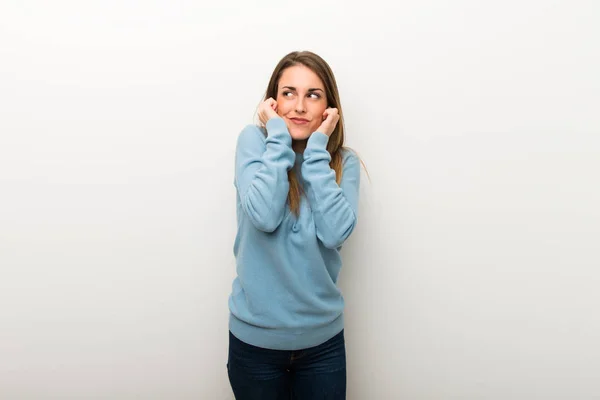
{"type": "Point", "coordinates": [334, 207]}
{"type": "Point", "coordinates": [261, 167]}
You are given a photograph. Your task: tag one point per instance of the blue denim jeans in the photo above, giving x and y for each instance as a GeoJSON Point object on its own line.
{"type": "Point", "coordinates": [316, 373]}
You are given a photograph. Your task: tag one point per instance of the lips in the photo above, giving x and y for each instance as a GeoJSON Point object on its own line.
{"type": "Point", "coordinates": [299, 121]}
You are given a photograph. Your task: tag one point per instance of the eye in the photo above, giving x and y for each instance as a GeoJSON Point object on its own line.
{"type": "Point", "coordinates": [317, 95]}
{"type": "Point", "coordinates": [286, 93]}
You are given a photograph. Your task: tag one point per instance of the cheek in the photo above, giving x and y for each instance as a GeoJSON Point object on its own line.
{"type": "Point", "coordinates": [283, 106]}
{"type": "Point", "coordinates": [315, 123]}
{"type": "Point", "coordinates": [319, 109]}
{"type": "Point", "coordinates": [318, 113]}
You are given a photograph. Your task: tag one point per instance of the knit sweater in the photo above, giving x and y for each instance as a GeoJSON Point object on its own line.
{"type": "Point", "coordinates": [285, 294]}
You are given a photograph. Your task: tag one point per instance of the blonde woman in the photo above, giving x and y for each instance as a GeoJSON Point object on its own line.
{"type": "Point", "coordinates": [297, 200]}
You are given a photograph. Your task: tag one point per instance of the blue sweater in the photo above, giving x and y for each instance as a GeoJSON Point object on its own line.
{"type": "Point", "coordinates": [285, 295]}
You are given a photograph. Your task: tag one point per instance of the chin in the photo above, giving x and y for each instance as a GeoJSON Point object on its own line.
{"type": "Point", "coordinates": [299, 133]}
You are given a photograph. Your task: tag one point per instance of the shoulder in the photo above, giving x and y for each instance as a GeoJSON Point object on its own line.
{"type": "Point", "coordinates": [349, 158]}
{"type": "Point", "coordinates": [253, 131]}
{"type": "Point", "coordinates": [350, 166]}
{"type": "Point", "coordinates": [251, 136]}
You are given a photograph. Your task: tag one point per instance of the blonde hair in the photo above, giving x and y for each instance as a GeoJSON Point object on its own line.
{"type": "Point", "coordinates": [335, 145]}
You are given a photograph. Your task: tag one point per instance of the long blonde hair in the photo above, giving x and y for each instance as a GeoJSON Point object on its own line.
{"type": "Point", "coordinates": [335, 144]}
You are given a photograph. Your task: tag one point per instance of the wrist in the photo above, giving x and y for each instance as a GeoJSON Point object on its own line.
{"type": "Point", "coordinates": [324, 130]}
{"type": "Point", "coordinates": [276, 125]}
{"type": "Point", "coordinates": [318, 139]}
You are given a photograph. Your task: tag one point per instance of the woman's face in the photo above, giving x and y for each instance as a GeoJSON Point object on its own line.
{"type": "Point", "coordinates": [301, 101]}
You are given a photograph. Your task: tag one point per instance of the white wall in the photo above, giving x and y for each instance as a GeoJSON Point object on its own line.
{"type": "Point", "coordinates": [475, 268]}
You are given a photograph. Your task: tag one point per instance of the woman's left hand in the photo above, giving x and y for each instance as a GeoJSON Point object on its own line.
{"type": "Point", "coordinates": [330, 120]}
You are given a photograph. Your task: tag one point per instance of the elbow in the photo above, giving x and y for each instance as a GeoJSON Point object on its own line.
{"type": "Point", "coordinates": [262, 218]}
{"type": "Point", "coordinates": [267, 225]}
{"type": "Point", "coordinates": [332, 244]}
{"type": "Point", "coordinates": [336, 239]}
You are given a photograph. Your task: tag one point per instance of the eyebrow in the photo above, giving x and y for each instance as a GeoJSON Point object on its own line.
{"type": "Point", "coordinates": [310, 90]}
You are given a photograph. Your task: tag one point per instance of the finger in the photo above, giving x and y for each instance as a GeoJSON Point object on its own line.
{"type": "Point", "coordinates": [335, 115]}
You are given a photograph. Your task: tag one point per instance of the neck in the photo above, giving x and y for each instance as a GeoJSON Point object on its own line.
{"type": "Point", "coordinates": [299, 145]}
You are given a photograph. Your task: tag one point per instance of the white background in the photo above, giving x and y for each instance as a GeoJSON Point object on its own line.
{"type": "Point", "coordinates": [475, 267]}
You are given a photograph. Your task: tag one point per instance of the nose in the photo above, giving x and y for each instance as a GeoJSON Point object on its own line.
{"type": "Point", "coordinates": [300, 105]}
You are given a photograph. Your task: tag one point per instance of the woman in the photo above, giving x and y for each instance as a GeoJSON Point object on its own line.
{"type": "Point", "coordinates": [297, 200]}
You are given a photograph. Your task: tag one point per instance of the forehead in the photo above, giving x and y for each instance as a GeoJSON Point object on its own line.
{"type": "Point", "coordinates": [300, 77]}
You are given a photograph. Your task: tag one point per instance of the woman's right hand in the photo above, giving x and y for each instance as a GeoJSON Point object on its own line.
{"type": "Point", "coordinates": [267, 110]}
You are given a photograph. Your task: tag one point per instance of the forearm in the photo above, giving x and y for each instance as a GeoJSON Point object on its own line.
{"type": "Point", "coordinates": [334, 206]}
{"type": "Point", "coordinates": [261, 174]}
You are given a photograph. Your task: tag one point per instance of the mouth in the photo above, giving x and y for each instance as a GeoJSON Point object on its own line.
{"type": "Point", "coordinates": [299, 121]}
